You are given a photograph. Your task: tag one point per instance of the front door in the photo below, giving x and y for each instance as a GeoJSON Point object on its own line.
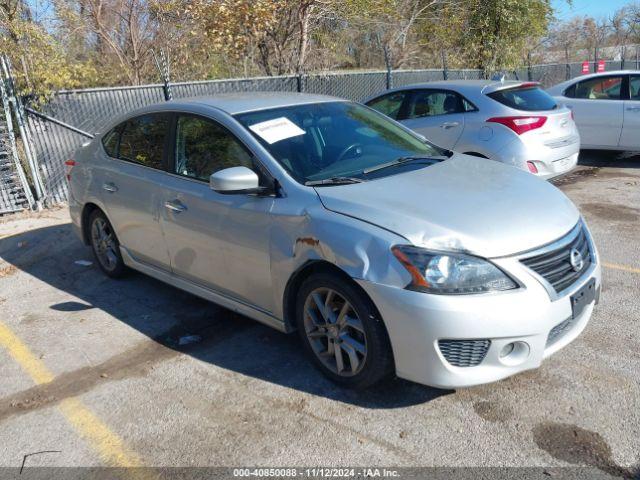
{"type": "Point", "coordinates": [220, 241]}
{"type": "Point", "coordinates": [598, 110]}
{"type": "Point", "coordinates": [630, 137]}
{"type": "Point", "coordinates": [436, 114]}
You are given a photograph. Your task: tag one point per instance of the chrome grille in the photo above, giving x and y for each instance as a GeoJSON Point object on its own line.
{"type": "Point", "coordinates": [558, 331]}
{"type": "Point", "coordinates": [464, 353]}
{"type": "Point", "coordinates": [555, 265]}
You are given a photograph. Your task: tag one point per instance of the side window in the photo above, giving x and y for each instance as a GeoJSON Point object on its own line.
{"type": "Point", "coordinates": [389, 105]}
{"type": "Point", "coordinates": [634, 87]}
{"type": "Point", "coordinates": [110, 141]}
{"type": "Point", "coordinates": [600, 88]}
{"type": "Point", "coordinates": [570, 92]}
{"type": "Point", "coordinates": [427, 103]}
{"type": "Point", "coordinates": [204, 147]}
{"type": "Point", "coordinates": [468, 106]}
{"type": "Point", "coordinates": [142, 140]}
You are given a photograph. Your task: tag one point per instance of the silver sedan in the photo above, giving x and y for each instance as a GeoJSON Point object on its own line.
{"type": "Point", "coordinates": [509, 121]}
{"type": "Point", "coordinates": [310, 213]}
{"type": "Point", "coordinates": [606, 107]}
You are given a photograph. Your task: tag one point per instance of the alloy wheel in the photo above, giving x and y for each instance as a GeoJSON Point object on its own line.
{"type": "Point", "coordinates": [335, 332]}
{"type": "Point", "coordinates": [104, 243]}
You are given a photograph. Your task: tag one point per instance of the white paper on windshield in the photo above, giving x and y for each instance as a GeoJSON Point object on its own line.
{"type": "Point", "coordinates": [273, 131]}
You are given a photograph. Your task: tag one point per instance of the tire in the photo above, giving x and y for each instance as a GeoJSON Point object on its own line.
{"type": "Point", "coordinates": [359, 326]}
{"type": "Point", "coordinates": [106, 249]}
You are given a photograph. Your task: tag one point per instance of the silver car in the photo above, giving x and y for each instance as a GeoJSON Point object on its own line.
{"type": "Point", "coordinates": [509, 121]}
{"type": "Point", "coordinates": [606, 107]}
{"type": "Point", "coordinates": [310, 213]}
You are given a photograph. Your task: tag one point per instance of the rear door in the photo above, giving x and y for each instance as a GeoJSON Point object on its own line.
{"type": "Point", "coordinates": [598, 107]}
{"type": "Point", "coordinates": [437, 114]}
{"type": "Point", "coordinates": [131, 188]}
{"type": "Point", "coordinates": [630, 137]}
{"type": "Point", "coordinates": [217, 240]}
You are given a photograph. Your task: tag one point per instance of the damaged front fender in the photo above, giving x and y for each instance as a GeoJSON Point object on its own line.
{"type": "Point", "coordinates": [359, 249]}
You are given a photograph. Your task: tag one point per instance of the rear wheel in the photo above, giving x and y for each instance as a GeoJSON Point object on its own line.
{"type": "Point", "coordinates": [342, 331]}
{"type": "Point", "coordinates": [105, 245]}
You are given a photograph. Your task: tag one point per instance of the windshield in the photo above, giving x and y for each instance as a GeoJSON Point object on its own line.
{"type": "Point", "coordinates": [334, 139]}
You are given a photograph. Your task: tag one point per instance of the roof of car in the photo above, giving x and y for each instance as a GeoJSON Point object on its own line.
{"type": "Point", "coordinates": [462, 86]}
{"type": "Point", "coordinates": [587, 76]}
{"type": "Point", "coordinates": [234, 103]}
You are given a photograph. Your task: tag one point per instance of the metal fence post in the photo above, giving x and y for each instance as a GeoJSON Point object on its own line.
{"type": "Point", "coordinates": [529, 74]}
{"type": "Point", "coordinates": [445, 74]}
{"type": "Point", "coordinates": [568, 70]}
{"type": "Point", "coordinates": [38, 185]}
{"type": "Point", "coordinates": [387, 62]}
{"type": "Point", "coordinates": [163, 68]}
{"type": "Point", "coordinates": [299, 82]}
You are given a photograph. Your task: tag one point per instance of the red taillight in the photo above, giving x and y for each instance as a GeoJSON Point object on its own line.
{"type": "Point", "coordinates": [520, 125]}
{"type": "Point", "coordinates": [70, 164]}
{"type": "Point", "coordinates": [532, 167]}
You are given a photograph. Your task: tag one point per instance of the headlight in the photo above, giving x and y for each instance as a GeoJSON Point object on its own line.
{"type": "Point", "coordinates": [450, 273]}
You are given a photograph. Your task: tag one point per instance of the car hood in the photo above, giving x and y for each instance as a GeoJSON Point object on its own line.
{"type": "Point", "coordinates": [464, 203]}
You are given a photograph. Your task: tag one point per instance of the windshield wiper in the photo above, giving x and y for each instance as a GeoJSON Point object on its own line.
{"type": "Point", "coordinates": [400, 161]}
{"type": "Point", "coordinates": [334, 181]}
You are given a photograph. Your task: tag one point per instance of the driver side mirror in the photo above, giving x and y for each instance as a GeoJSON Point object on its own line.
{"type": "Point", "coordinates": [235, 180]}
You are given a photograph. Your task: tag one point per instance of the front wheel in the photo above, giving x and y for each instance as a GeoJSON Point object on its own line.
{"type": "Point", "coordinates": [342, 331]}
{"type": "Point", "coordinates": [105, 245]}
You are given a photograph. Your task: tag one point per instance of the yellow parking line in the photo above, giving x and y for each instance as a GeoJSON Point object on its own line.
{"type": "Point", "coordinates": [624, 268]}
{"type": "Point", "coordinates": [106, 443]}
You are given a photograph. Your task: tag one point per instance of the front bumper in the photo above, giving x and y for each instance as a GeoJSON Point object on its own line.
{"type": "Point", "coordinates": [416, 322]}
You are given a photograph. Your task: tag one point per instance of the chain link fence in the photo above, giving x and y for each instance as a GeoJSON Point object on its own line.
{"type": "Point", "coordinates": [13, 196]}
{"type": "Point", "coordinates": [71, 117]}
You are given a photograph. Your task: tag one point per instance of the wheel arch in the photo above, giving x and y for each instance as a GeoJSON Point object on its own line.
{"type": "Point", "coordinates": [304, 272]}
{"type": "Point", "coordinates": [87, 210]}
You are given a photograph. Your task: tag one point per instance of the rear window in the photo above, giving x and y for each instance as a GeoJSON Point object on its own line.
{"type": "Point", "coordinates": [529, 99]}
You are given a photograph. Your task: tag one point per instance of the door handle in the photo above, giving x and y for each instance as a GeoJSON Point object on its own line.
{"type": "Point", "coordinates": [109, 187]}
{"type": "Point", "coordinates": [446, 125]}
{"type": "Point", "coordinates": [633, 109]}
{"type": "Point", "coordinates": [175, 206]}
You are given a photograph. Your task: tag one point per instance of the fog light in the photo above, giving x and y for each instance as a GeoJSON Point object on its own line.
{"type": "Point", "coordinates": [514, 353]}
{"type": "Point", "coordinates": [507, 349]}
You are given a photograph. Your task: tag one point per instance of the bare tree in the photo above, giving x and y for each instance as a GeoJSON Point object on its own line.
{"type": "Point", "coordinates": [565, 36]}
{"type": "Point", "coordinates": [595, 32]}
{"type": "Point", "coordinates": [124, 29]}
